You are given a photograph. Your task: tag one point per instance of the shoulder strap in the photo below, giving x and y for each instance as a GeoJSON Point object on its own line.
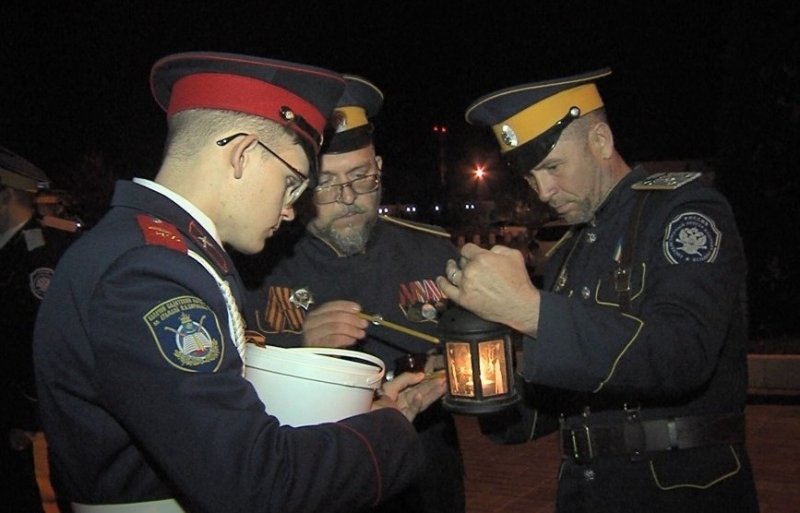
{"type": "Point", "coordinates": [161, 233]}
{"type": "Point", "coordinates": [422, 227]}
{"type": "Point", "coordinates": [666, 181]}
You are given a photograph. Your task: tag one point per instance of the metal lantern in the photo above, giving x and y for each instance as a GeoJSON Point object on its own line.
{"type": "Point", "coordinates": [479, 361]}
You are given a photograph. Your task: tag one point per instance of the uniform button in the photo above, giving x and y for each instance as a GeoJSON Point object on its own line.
{"type": "Point", "coordinates": [586, 293]}
{"type": "Point", "coordinates": [589, 474]}
{"type": "Point", "coordinates": [591, 237]}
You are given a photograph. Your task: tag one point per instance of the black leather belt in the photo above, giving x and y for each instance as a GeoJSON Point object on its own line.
{"type": "Point", "coordinates": [635, 438]}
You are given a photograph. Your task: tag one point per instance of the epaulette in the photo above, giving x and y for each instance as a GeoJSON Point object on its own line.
{"type": "Point", "coordinates": [666, 181]}
{"type": "Point", "coordinates": [422, 227]}
{"type": "Point", "coordinates": [161, 233]}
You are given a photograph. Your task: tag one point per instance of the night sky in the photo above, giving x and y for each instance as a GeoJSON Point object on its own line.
{"type": "Point", "coordinates": [74, 79]}
{"type": "Point", "coordinates": [692, 79]}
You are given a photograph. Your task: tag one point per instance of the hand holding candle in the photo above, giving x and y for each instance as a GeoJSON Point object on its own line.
{"type": "Point", "coordinates": [377, 319]}
{"type": "Point", "coordinates": [334, 324]}
{"type": "Point", "coordinates": [411, 393]}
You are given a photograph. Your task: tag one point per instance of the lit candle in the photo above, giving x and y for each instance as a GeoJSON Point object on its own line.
{"type": "Point", "coordinates": [460, 369]}
{"type": "Point", "coordinates": [492, 361]}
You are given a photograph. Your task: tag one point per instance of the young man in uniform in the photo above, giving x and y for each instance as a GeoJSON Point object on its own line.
{"type": "Point", "coordinates": [139, 345]}
{"type": "Point", "coordinates": [638, 333]}
{"type": "Point", "coordinates": [29, 251]}
{"type": "Point", "coordinates": [345, 260]}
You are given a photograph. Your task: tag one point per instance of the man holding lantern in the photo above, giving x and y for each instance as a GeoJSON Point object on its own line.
{"type": "Point", "coordinates": [637, 340]}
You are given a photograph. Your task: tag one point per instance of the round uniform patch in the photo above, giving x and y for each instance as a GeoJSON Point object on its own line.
{"type": "Point", "coordinates": [691, 237]}
{"type": "Point", "coordinates": [187, 333]}
{"type": "Point", "coordinates": [39, 281]}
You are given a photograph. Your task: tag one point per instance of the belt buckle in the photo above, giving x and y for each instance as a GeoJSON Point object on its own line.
{"type": "Point", "coordinates": [581, 453]}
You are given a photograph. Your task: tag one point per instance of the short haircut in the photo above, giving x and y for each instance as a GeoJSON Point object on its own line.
{"type": "Point", "coordinates": [188, 131]}
{"type": "Point", "coordinates": [579, 128]}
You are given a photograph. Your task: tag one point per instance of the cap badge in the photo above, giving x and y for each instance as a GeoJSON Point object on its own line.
{"type": "Point", "coordinates": [339, 121]}
{"type": "Point", "coordinates": [509, 136]}
{"type": "Point", "coordinates": [301, 298]}
{"type": "Point", "coordinates": [287, 113]}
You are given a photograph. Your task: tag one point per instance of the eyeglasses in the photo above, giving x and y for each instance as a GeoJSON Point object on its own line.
{"type": "Point", "coordinates": [293, 190]}
{"type": "Point", "coordinates": [325, 194]}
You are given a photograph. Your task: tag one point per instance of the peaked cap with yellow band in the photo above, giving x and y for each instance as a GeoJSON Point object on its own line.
{"type": "Point", "coordinates": [527, 120]}
{"type": "Point", "coordinates": [18, 173]}
{"type": "Point", "coordinates": [349, 128]}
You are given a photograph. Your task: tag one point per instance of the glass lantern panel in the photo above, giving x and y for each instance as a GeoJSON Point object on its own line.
{"type": "Point", "coordinates": [492, 357]}
{"type": "Point", "coordinates": [459, 361]}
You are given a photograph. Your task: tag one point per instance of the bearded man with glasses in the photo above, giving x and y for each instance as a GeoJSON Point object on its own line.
{"type": "Point", "coordinates": [343, 259]}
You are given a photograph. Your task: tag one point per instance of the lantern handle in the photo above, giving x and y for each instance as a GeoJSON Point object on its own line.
{"type": "Point", "coordinates": [378, 320]}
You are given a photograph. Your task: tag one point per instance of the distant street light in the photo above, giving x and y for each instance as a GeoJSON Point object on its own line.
{"type": "Point", "coordinates": [479, 172]}
{"type": "Point", "coordinates": [441, 132]}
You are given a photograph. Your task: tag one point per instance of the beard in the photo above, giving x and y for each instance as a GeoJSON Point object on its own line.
{"type": "Point", "coordinates": [584, 212]}
{"type": "Point", "coordinates": [350, 240]}
{"type": "Point", "coordinates": [586, 207]}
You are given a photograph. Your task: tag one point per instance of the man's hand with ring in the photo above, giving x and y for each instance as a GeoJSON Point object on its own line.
{"type": "Point", "coordinates": [493, 284]}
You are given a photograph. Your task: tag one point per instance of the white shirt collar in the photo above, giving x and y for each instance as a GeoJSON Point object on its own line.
{"type": "Point", "coordinates": [185, 204]}
{"type": "Point", "coordinates": [8, 234]}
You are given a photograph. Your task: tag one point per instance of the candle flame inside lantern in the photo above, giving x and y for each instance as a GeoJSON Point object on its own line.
{"type": "Point", "coordinates": [491, 367]}
{"type": "Point", "coordinates": [460, 361]}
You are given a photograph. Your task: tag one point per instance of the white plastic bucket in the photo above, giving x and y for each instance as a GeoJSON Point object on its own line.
{"type": "Point", "coordinates": [312, 385]}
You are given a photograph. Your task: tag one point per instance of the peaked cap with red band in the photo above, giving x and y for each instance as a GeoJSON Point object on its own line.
{"type": "Point", "coordinates": [297, 95]}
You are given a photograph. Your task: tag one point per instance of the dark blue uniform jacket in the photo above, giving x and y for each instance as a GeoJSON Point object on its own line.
{"type": "Point", "coordinates": [681, 347]}
{"type": "Point", "coordinates": [141, 390]}
{"type": "Point", "coordinates": [27, 262]}
{"type": "Point", "coordinates": [678, 350]}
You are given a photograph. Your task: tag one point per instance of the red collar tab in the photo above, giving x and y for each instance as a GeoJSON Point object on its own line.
{"type": "Point", "coordinates": [209, 246]}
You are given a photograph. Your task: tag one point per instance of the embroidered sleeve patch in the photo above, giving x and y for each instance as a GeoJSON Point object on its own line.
{"type": "Point", "coordinates": [187, 333]}
{"type": "Point", "coordinates": [691, 237]}
{"type": "Point", "coordinates": [39, 281]}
